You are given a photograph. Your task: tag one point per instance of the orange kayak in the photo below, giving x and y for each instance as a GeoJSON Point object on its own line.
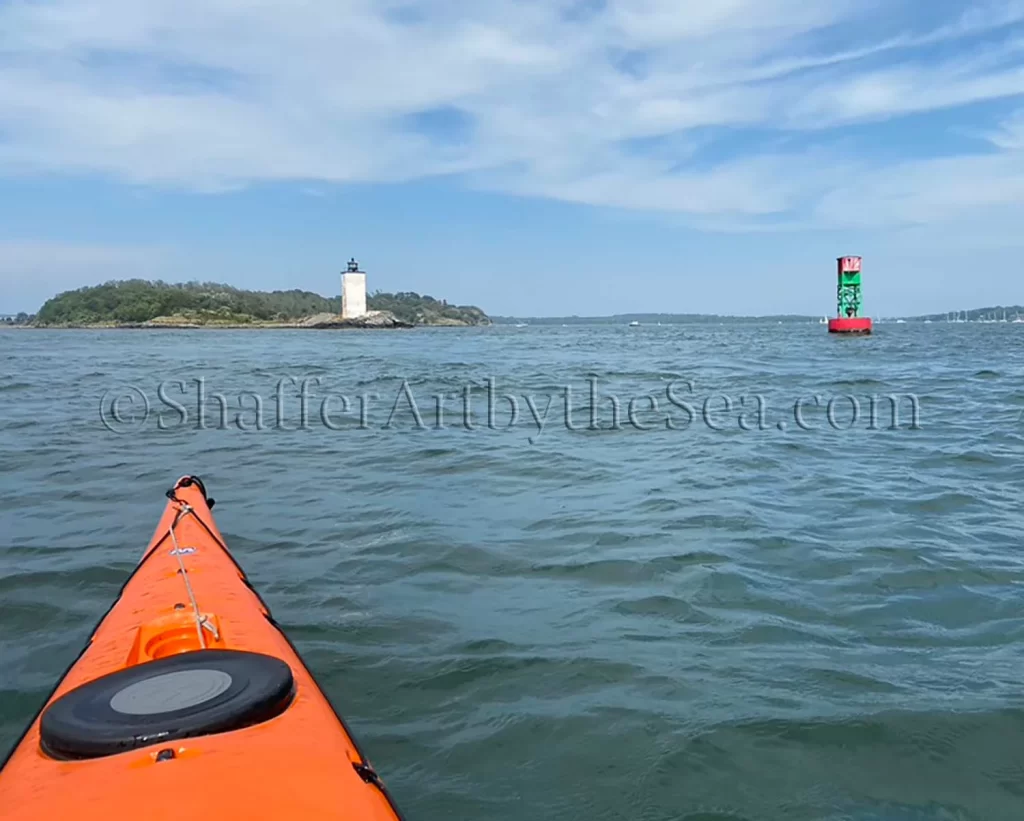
{"type": "Point", "coordinates": [189, 702]}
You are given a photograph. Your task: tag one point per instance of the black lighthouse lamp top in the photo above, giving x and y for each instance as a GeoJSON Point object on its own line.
{"type": "Point", "coordinates": [353, 265]}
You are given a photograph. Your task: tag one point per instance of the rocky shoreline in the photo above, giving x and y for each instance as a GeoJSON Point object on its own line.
{"type": "Point", "coordinates": [371, 320]}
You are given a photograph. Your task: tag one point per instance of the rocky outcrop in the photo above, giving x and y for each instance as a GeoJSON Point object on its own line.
{"type": "Point", "coordinates": [372, 319]}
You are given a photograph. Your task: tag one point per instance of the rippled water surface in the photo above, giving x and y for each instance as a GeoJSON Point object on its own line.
{"type": "Point", "coordinates": [730, 618]}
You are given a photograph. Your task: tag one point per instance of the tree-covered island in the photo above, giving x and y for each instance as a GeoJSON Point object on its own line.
{"type": "Point", "coordinates": [144, 303]}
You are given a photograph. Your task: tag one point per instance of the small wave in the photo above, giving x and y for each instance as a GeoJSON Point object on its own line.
{"type": "Point", "coordinates": [865, 382]}
{"type": "Point", "coordinates": [628, 571]}
{"type": "Point", "coordinates": [667, 607]}
{"type": "Point", "coordinates": [945, 502]}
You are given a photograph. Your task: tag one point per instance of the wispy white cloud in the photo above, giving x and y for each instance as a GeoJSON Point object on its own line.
{"type": "Point", "coordinates": [1009, 135]}
{"type": "Point", "coordinates": [639, 104]}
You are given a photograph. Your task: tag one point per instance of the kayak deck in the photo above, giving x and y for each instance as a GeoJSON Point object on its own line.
{"type": "Point", "coordinates": [187, 597]}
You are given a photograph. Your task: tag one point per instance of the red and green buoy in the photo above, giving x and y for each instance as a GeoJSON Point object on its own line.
{"type": "Point", "coordinates": [848, 296]}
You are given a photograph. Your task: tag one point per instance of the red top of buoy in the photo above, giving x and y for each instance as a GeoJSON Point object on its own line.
{"type": "Point", "coordinates": [850, 325]}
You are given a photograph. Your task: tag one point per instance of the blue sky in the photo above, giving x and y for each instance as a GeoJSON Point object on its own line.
{"type": "Point", "coordinates": [525, 156]}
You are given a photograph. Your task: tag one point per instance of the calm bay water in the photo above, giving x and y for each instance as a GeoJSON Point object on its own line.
{"type": "Point", "coordinates": [558, 622]}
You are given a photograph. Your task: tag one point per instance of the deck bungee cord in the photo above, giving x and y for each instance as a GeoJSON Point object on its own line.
{"type": "Point", "coordinates": [201, 621]}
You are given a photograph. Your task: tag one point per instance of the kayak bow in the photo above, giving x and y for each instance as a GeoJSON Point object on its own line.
{"type": "Point", "coordinates": [189, 701]}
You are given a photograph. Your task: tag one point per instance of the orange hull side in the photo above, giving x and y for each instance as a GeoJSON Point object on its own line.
{"type": "Point", "coordinates": [298, 765]}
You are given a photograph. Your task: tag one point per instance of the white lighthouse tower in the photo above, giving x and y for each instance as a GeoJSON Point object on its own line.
{"type": "Point", "coordinates": [353, 291]}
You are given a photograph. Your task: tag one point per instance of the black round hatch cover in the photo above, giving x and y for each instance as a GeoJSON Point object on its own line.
{"type": "Point", "coordinates": [207, 691]}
